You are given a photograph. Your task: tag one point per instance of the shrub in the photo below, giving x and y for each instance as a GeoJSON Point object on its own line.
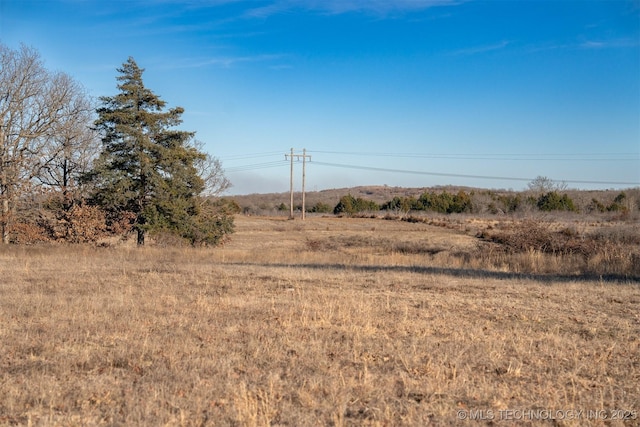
{"type": "Point", "coordinates": [320, 208]}
{"type": "Point", "coordinates": [28, 232]}
{"type": "Point", "coordinates": [596, 206]}
{"type": "Point", "coordinates": [402, 204]}
{"type": "Point", "coordinates": [507, 203]}
{"type": "Point", "coordinates": [435, 202]}
{"type": "Point", "coordinates": [212, 223]}
{"type": "Point", "coordinates": [531, 235]}
{"type": "Point", "coordinates": [81, 224]}
{"type": "Point", "coordinates": [552, 201]}
{"type": "Point", "coordinates": [618, 204]}
{"type": "Point", "coordinates": [461, 203]}
{"type": "Point", "coordinates": [350, 205]}
{"type": "Point", "coordinates": [208, 225]}
{"type": "Point", "coordinates": [59, 219]}
{"type": "Point", "coordinates": [445, 202]}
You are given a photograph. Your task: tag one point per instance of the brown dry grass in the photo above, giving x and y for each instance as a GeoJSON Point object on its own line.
{"type": "Point", "coordinates": [326, 322]}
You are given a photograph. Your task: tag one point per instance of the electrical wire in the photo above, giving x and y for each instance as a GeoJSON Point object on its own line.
{"type": "Point", "coordinates": [454, 175]}
{"type": "Point", "coordinates": [497, 156]}
{"type": "Point", "coordinates": [251, 155]}
{"type": "Point", "coordinates": [255, 166]}
{"type": "Point", "coordinates": [509, 157]}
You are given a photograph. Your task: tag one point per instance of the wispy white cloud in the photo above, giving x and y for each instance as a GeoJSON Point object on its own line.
{"type": "Point", "coordinates": [592, 45]}
{"type": "Point", "coordinates": [481, 49]}
{"type": "Point", "coordinates": [225, 61]}
{"type": "Point", "coordinates": [609, 44]}
{"type": "Point", "coordinates": [336, 7]}
{"type": "Point", "coordinates": [589, 44]}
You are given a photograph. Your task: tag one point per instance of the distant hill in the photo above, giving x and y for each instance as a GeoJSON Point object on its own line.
{"type": "Point", "coordinates": [269, 203]}
{"type": "Point", "coordinates": [376, 193]}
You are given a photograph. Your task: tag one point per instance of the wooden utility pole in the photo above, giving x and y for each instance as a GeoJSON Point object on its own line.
{"type": "Point", "coordinates": [291, 186]}
{"type": "Point", "coordinates": [304, 157]}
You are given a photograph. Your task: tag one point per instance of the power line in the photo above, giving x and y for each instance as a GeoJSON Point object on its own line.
{"type": "Point", "coordinates": [507, 156]}
{"type": "Point", "coordinates": [498, 156]}
{"type": "Point", "coordinates": [255, 166]}
{"type": "Point", "coordinates": [361, 153]}
{"type": "Point", "coordinates": [578, 157]}
{"type": "Point", "coordinates": [250, 155]}
{"type": "Point", "coordinates": [404, 171]}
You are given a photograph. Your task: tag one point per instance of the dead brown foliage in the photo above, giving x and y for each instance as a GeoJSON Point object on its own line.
{"type": "Point", "coordinates": [602, 251]}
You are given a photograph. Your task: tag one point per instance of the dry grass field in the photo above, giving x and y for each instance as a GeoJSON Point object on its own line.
{"type": "Point", "coordinates": [331, 321]}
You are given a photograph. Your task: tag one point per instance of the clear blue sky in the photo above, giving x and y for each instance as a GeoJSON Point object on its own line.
{"type": "Point", "coordinates": [450, 91]}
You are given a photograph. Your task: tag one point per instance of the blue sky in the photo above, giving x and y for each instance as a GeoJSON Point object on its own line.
{"type": "Point", "coordinates": [408, 92]}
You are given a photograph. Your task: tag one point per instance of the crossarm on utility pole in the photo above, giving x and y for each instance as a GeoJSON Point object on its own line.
{"type": "Point", "coordinates": [304, 156]}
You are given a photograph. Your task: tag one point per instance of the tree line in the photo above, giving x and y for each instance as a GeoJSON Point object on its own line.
{"type": "Point", "coordinates": [444, 202]}
{"type": "Point", "coordinates": [75, 170]}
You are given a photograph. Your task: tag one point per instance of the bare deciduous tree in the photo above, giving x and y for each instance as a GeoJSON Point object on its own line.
{"type": "Point", "coordinates": [543, 184]}
{"type": "Point", "coordinates": [72, 148]}
{"type": "Point", "coordinates": [33, 104]}
{"type": "Point", "coordinates": [210, 170]}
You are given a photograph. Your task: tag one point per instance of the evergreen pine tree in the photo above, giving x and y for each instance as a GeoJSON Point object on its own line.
{"type": "Point", "coordinates": [147, 169]}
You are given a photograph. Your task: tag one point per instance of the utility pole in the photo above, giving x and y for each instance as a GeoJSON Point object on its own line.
{"type": "Point", "coordinates": [304, 157]}
{"type": "Point", "coordinates": [291, 186]}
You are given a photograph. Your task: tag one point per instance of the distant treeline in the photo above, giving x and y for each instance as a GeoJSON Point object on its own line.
{"type": "Point", "coordinates": [473, 202]}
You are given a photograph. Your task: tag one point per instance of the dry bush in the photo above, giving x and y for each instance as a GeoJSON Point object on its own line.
{"type": "Point", "coordinates": [544, 246]}
{"type": "Point", "coordinates": [536, 247]}
{"type": "Point", "coordinates": [80, 224]}
{"type": "Point", "coordinates": [626, 233]}
{"type": "Point", "coordinates": [531, 235]}
{"type": "Point", "coordinates": [28, 232]}
{"type": "Point", "coordinates": [120, 223]}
